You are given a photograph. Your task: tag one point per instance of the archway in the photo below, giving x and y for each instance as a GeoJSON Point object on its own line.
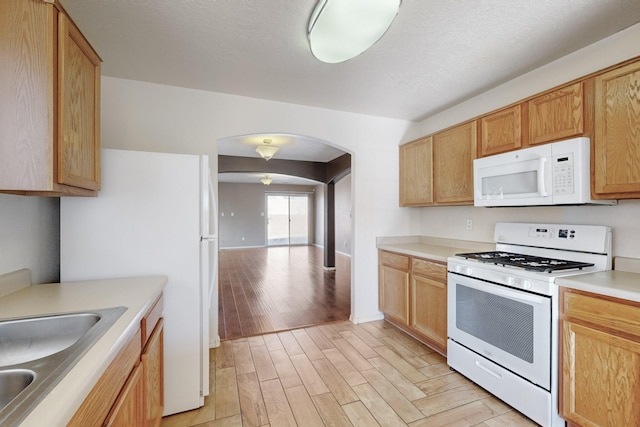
{"type": "Point", "coordinates": [238, 162]}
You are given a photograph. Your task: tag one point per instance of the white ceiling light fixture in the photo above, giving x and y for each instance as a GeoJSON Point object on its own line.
{"type": "Point", "coordinates": [266, 180]}
{"type": "Point", "coordinates": [342, 29]}
{"type": "Point", "coordinates": [267, 150]}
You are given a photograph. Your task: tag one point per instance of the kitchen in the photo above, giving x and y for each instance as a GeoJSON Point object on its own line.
{"type": "Point", "coordinates": [137, 115]}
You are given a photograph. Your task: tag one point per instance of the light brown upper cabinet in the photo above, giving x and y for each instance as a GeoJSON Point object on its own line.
{"type": "Point", "coordinates": [616, 143]}
{"type": "Point", "coordinates": [501, 131]}
{"type": "Point", "coordinates": [416, 173]}
{"type": "Point", "coordinates": [453, 153]}
{"type": "Point", "coordinates": [49, 102]}
{"type": "Point", "coordinates": [557, 115]}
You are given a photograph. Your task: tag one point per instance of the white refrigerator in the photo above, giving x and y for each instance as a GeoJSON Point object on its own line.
{"type": "Point", "coordinates": [155, 215]}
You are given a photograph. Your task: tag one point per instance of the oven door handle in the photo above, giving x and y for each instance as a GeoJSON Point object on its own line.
{"type": "Point", "coordinates": [520, 296]}
{"type": "Point", "coordinates": [507, 293]}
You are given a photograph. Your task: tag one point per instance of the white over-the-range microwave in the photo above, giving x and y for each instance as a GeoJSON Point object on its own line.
{"type": "Point", "coordinates": [551, 174]}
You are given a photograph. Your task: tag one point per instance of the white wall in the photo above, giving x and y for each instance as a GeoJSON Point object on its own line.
{"type": "Point", "coordinates": [146, 116]}
{"type": "Point", "coordinates": [247, 227]}
{"type": "Point", "coordinates": [450, 221]}
{"type": "Point", "coordinates": [29, 236]}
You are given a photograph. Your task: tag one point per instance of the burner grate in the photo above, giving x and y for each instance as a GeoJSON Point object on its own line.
{"type": "Point", "coordinates": [526, 262]}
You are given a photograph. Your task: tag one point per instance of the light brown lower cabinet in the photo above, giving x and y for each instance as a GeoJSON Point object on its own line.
{"type": "Point", "coordinates": [153, 368]}
{"type": "Point", "coordinates": [393, 286]}
{"type": "Point", "coordinates": [429, 302]}
{"type": "Point", "coordinates": [95, 408]}
{"type": "Point", "coordinates": [413, 297]}
{"type": "Point", "coordinates": [600, 360]}
{"type": "Point", "coordinates": [130, 393]}
{"type": "Point", "coordinates": [128, 408]}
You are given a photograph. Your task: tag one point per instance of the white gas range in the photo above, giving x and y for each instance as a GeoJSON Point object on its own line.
{"type": "Point", "coordinates": [503, 310]}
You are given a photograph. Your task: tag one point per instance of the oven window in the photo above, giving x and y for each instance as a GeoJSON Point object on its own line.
{"type": "Point", "coordinates": [502, 322]}
{"type": "Point", "coordinates": [510, 184]}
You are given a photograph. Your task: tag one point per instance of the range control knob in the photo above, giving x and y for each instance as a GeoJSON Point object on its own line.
{"type": "Point", "coordinates": [458, 268]}
{"type": "Point", "coordinates": [510, 281]}
{"type": "Point", "coordinates": [468, 271]}
{"type": "Point", "coordinates": [527, 284]}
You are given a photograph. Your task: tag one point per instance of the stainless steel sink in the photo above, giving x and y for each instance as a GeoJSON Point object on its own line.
{"type": "Point", "coordinates": [37, 352]}
{"type": "Point", "coordinates": [12, 382]}
{"type": "Point", "coordinates": [24, 340]}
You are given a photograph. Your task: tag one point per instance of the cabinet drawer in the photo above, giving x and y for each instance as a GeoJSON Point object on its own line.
{"type": "Point", "coordinates": [614, 314]}
{"type": "Point", "coordinates": [430, 269]}
{"type": "Point", "coordinates": [149, 321]}
{"type": "Point", "coordinates": [401, 262]}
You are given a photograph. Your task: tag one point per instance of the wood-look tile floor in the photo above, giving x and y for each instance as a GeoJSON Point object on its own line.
{"type": "Point", "coordinates": [271, 289]}
{"type": "Point", "coordinates": [340, 374]}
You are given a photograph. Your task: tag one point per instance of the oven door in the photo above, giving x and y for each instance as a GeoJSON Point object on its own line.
{"type": "Point", "coordinates": [512, 328]}
{"type": "Point", "coordinates": [516, 178]}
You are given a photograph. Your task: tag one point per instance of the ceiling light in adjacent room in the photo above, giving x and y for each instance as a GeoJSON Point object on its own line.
{"type": "Point", "coordinates": [266, 180]}
{"type": "Point", "coordinates": [342, 29]}
{"type": "Point", "coordinates": [267, 150]}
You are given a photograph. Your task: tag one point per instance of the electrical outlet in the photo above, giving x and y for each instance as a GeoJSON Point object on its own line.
{"type": "Point", "coordinates": [469, 224]}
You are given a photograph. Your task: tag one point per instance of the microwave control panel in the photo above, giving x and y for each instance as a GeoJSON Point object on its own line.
{"type": "Point", "coordinates": [563, 174]}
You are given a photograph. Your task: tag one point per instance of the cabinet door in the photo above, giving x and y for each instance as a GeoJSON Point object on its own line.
{"type": "Point", "coordinates": [501, 131]}
{"type": "Point", "coordinates": [617, 133]}
{"type": "Point", "coordinates": [127, 410]}
{"type": "Point", "coordinates": [600, 377]}
{"type": "Point", "coordinates": [394, 293]}
{"type": "Point", "coordinates": [556, 115]}
{"type": "Point", "coordinates": [429, 309]}
{"type": "Point", "coordinates": [93, 411]}
{"type": "Point", "coordinates": [453, 153]}
{"type": "Point", "coordinates": [78, 108]}
{"type": "Point", "coordinates": [153, 368]}
{"type": "Point", "coordinates": [26, 94]}
{"type": "Point", "coordinates": [416, 173]}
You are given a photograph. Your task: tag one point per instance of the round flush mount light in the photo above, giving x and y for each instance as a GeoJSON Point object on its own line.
{"type": "Point", "coordinates": [342, 29]}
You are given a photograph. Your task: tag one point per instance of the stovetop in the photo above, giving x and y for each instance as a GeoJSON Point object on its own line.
{"type": "Point", "coordinates": [526, 262]}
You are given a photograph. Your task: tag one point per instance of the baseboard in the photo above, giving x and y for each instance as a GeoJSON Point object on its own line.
{"type": "Point", "coordinates": [373, 318]}
{"type": "Point", "coordinates": [214, 342]}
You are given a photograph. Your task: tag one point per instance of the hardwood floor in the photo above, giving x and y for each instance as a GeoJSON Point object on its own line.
{"type": "Point", "coordinates": [272, 289]}
{"type": "Point", "coordinates": [340, 374]}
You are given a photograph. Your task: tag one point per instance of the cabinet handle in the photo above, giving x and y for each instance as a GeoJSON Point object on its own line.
{"type": "Point", "coordinates": [488, 371]}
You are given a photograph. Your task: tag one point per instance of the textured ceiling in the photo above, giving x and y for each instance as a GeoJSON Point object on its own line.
{"type": "Point", "coordinates": [436, 54]}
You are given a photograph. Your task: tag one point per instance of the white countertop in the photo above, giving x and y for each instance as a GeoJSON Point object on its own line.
{"type": "Point", "coordinates": [623, 282]}
{"type": "Point", "coordinates": [613, 283]}
{"type": "Point", "coordinates": [137, 294]}
{"type": "Point", "coordinates": [434, 248]}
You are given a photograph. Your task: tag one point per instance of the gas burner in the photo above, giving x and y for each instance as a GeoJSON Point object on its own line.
{"type": "Point", "coordinates": [526, 262]}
